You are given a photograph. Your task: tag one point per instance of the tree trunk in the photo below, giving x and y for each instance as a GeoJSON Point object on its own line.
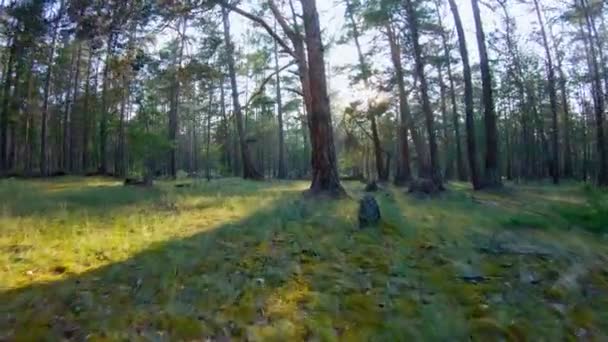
{"type": "Point", "coordinates": [325, 177]}
{"type": "Point", "coordinates": [67, 111]}
{"type": "Point", "coordinates": [598, 99]}
{"type": "Point", "coordinates": [6, 101]}
{"type": "Point", "coordinates": [85, 114]}
{"type": "Point", "coordinates": [207, 152]}
{"type": "Point", "coordinates": [492, 173]}
{"type": "Point", "coordinates": [568, 168]}
{"type": "Point", "coordinates": [226, 137]}
{"type": "Point", "coordinates": [468, 99]}
{"type": "Point", "coordinates": [552, 96]}
{"type": "Point", "coordinates": [73, 123]}
{"type": "Point", "coordinates": [174, 107]}
{"type": "Point", "coordinates": [378, 151]}
{"type": "Point", "coordinates": [103, 124]}
{"type": "Point", "coordinates": [460, 165]}
{"type": "Point", "coordinates": [282, 172]}
{"type": "Point", "coordinates": [426, 105]}
{"type": "Point", "coordinates": [249, 171]}
{"type": "Point", "coordinates": [406, 117]}
{"type": "Point", "coordinates": [448, 153]}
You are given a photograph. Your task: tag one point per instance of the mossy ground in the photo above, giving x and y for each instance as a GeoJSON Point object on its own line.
{"type": "Point", "coordinates": [91, 259]}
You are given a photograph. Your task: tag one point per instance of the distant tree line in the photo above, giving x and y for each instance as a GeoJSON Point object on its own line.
{"type": "Point", "coordinates": [152, 87]}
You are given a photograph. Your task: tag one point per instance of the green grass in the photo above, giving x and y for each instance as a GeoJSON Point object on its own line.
{"type": "Point", "coordinates": [91, 259]}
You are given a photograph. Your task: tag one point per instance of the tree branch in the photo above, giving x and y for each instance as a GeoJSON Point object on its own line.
{"type": "Point", "coordinates": [260, 89]}
{"type": "Point", "coordinates": [259, 21]}
{"type": "Point", "coordinates": [295, 91]}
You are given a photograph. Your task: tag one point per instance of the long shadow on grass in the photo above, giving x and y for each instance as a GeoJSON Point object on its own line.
{"type": "Point", "coordinates": [31, 199]}
{"type": "Point", "coordinates": [236, 280]}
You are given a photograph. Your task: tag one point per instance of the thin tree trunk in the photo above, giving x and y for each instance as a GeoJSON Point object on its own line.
{"type": "Point", "coordinates": [426, 105]}
{"type": "Point", "coordinates": [492, 173]}
{"type": "Point", "coordinates": [207, 152]}
{"type": "Point", "coordinates": [378, 151]}
{"type": "Point", "coordinates": [72, 121]}
{"type": "Point", "coordinates": [103, 124]}
{"type": "Point", "coordinates": [67, 116]}
{"type": "Point", "coordinates": [86, 120]}
{"type": "Point", "coordinates": [6, 101]}
{"type": "Point", "coordinates": [45, 102]}
{"type": "Point", "coordinates": [448, 153]}
{"type": "Point", "coordinates": [404, 173]}
{"type": "Point", "coordinates": [175, 101]}
{"type": "Point", "coordinates": [460, 165]}
{"type": "Point", "coordinates": [568, 168]}
{"type": "Point", "coordinates": [552, 96]}
{"type": "Point", "coordinates": [249, 171]}
{"type": "Point", "coordinates": [282, 172]}
{"type": "Point", "coordinates": [598, 98]}
{"type": "Point", "coordinates": [468, 99]}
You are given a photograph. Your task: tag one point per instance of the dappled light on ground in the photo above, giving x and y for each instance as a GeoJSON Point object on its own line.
{"type": "Point", "coordinates": [259, 261]}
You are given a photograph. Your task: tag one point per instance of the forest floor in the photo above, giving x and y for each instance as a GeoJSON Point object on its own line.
{"type": "Point", "coordinates": [86, 258]}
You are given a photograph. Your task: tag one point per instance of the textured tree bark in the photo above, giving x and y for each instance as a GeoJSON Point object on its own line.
{"type": "Point", "coordinates": [426, 105]}
{"type": "Point", "coordinates": [325, 178]}
{"type": "Point", "coordinates": [468, 99]}
{"type": "Point", "coordinates": [249, 171]}
{"type": "Point", "coordinates": [552, 96]}
{"type": "Point", "coordinates": [492, 173]}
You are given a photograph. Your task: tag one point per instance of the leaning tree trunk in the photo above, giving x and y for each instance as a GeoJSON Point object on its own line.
{"type": "Point", "coordinates": [426, 104]}
{"type": "Point", "coordinates": [249, 171]}
{"type": "Point", "coordinates": [552, 96]}
{"type": "Point", "coordinates": [468, 98]}
{"type": "Point", "coordinates": [325, 178]}
{"type": "Point", "coordinates": [492, 173]}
